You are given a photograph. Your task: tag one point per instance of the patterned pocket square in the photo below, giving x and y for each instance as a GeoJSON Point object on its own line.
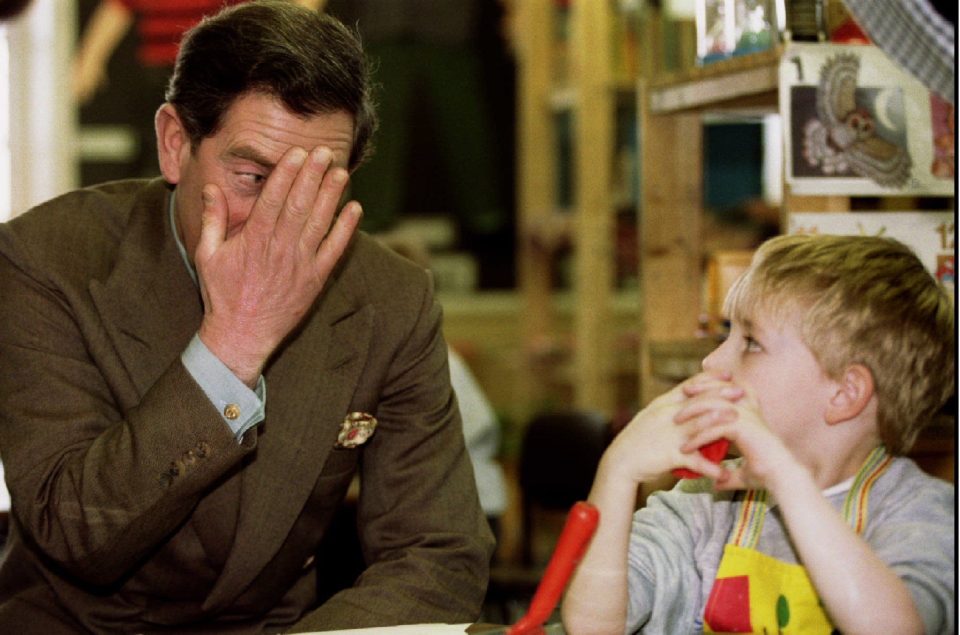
{"type": "Point", "coordinates": [356, 429]}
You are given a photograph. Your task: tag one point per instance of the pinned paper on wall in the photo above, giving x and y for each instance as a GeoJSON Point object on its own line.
{"type": "Point", "coordinates": [857, 124]}
{"type": "Point", "coordinates": [931, 235]}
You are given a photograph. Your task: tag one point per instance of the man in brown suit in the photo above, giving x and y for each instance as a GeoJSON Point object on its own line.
{"type": "Point", "coordinates": [156, 486]}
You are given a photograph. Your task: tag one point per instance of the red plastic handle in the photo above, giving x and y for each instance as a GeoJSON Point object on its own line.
{"type": "Point", "coordinates": [581, 523]}
{"type": "Point", "coordinates": [715, 451]}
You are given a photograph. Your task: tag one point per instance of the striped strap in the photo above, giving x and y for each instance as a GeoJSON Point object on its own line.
{"type": "Point", "coordinates": [754, 507]}
{"type": "Point", "coordinates": [855, 505]}
{"type": "Point", "coordinates": [746, 533]}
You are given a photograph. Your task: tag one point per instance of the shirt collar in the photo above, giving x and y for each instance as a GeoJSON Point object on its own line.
{"type": "Point", "coordinates": [176, 236]}
{"type": "Point", "coordinates": [840, 488]}
{"type": "Point", "coordinates": [834, 490]}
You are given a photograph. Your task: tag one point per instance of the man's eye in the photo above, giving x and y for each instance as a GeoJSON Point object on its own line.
{"type": "Point", "coordinates": [252, 178]}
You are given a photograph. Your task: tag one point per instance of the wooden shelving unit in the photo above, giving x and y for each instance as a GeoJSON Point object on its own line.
{"type": "Point", "coordinates": [748, 82]}
{"type": "Point", "coordinates": [672, 107]}
{"type": "Point", "coordinates": [573, 78]}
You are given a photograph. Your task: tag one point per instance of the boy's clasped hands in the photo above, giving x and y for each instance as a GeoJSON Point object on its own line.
{"type": "Point", "coordinates": [677, 431]}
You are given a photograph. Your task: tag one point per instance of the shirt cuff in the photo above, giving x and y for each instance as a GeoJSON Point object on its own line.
{"type": "Point", "coordinates": [240, 407]}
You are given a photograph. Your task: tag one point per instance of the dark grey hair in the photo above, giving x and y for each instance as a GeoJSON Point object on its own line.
{"type": "Point", "coordinates": [308, 60]}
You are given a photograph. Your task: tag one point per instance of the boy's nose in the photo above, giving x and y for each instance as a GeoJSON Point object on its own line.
{"type": "Point", "coordinates": [713, 361]}
{"type": "Point", "coordinates": [708, 362]}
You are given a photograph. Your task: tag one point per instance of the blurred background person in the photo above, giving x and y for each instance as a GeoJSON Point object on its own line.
{"type": "Point", "coordinates": [158, 26]}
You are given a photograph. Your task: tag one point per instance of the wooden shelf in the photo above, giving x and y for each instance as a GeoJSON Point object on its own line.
{"type": "Point", "coordinates": [673, 107]}
{"type": "Point", "coordinates": [747, 82]}
{"type": "Point", "coordinates": [565, 98]}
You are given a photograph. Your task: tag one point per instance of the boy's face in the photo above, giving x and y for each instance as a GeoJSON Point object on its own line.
{"type": "Point", "coordinates": [767, 357]}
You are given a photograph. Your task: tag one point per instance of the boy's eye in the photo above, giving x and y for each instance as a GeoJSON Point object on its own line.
{"type": "Point", "coordinates": [751, 345]}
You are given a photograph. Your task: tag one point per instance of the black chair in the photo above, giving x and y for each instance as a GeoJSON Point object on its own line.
{"type": "Point", "coordinates": [559, 455]}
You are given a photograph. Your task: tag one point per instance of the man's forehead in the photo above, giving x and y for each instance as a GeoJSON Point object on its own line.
{"type": "Point", "coordinates": [262, 130]}
{"type": "Point", "coordinates": [265, 141]}
{"type": "Point", "coordinates": [245, 152]}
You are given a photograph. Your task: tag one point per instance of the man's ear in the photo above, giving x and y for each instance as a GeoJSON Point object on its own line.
{"type": "Point", "coordinates": [173, 144]}
{"type": "Point", "coordinates": [854, 390]}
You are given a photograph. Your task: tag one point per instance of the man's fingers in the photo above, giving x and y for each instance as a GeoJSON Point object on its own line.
{"type": "Point", "coordinates": [213, 223]}
{"type": "Point", "coordinates": [276, 189]}
{"type": "Point", "coordinates": [337, 240]}
{"type": "Point", "coordinates": [304, 195]}
{"type": "Point", "coordinates": [316, 226]}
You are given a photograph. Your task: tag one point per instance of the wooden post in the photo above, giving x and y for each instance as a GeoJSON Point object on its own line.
{"type": "Point", "coordinates": [536, 180]}
{"type": "Point", "coordinates": [592, 76]}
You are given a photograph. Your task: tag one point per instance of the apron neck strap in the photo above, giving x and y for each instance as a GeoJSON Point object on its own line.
{"type": "Point", "coordinates": [855, 504]}
{"type": "Point", "coordinates": [753, 509]}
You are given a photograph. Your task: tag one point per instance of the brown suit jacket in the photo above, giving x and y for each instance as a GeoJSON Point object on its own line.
{"type": "Point", "coordinates": [136, 510]}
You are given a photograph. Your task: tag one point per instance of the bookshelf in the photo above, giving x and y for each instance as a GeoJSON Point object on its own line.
{"type": "Point", "coordinates": [672, 109]}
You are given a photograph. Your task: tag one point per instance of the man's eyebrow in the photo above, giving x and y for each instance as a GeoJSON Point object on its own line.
{"type": "Point", "coordinates": [248, 153]}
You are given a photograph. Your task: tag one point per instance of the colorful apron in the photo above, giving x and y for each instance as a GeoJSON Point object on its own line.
{"type": "Point", "coordinates": [755, 593]}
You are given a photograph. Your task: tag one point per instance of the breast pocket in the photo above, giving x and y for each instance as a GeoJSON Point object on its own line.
{"type": "Point", "coordinates": [335, 477]}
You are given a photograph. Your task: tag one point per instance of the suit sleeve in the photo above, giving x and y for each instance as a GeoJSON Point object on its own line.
{"type": "Point", "coordinates": [98, 480]}
{"type": "Point", "coordinates": [424, 535]}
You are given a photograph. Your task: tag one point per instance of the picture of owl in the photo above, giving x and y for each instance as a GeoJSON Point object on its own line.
{"type": "Point", "coordinates": [853, 132]}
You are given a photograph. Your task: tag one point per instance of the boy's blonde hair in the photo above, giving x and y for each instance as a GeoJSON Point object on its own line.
{"type": "Point", "coordinates": [861, 300]}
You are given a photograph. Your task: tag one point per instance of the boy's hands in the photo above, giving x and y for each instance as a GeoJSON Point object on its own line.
{"type": "Point", "coordinates": [655, 441]}
{"type": "Point", "coordinates": [716, 450]}
{"type": "Point", "coordinates": [766, 459]}
{"type": "Point", "coordinates": [707, 408]}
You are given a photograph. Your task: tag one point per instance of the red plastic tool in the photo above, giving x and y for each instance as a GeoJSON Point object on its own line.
{"type": "Point", "coordinates": [581, 523]}
{"type": "Point", "coordinates": [715, 451]}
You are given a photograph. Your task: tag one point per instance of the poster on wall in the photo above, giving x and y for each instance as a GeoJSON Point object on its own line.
{"type": "Point", "coordinates": [856, 124]}
{"type": "Point", "coordinates": [931, 235]}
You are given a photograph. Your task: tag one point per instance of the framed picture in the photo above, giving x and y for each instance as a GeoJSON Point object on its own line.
{"type": "Point", "coordinates": [856, 124]}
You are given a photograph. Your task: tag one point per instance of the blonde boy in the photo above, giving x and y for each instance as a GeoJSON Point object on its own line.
{"type": "Point", "coordinates": [841, 349]}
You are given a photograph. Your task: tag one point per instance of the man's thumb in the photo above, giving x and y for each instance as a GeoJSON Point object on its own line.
{"type": "Point", "coordinates": [213, 222]}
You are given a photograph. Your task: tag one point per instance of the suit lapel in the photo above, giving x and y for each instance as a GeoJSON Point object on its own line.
{"type": "Point", "coordinates": [149, 305]}
{"type": "Point", "coordinates": [309, 389]}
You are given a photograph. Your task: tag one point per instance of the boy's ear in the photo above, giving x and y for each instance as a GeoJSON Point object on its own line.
{"type": "Point", "coordinates": [173, 144]}
{"type": "Point", "coordinates": [854, 390]}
